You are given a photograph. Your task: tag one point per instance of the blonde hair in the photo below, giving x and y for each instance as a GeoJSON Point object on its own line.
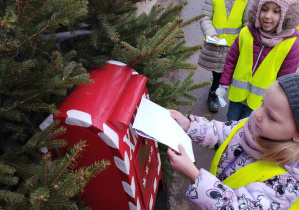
{"type": "Point", "coordinates": [280, 152]}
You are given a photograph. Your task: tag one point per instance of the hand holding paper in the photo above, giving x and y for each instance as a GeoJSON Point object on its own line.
{"type": "Point", "coordinates": [221, 92]}
{"type": "Point", "coordinates": [183, 164]}
{"type": "Point", "coordinates": [213, 41]}
{"type": "Point", "coordinates": [156, 123]}
{"type": "Point", "coordinates": [183, 121]}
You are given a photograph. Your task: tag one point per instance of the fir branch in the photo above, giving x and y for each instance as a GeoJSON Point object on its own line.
{"type": "Point", "coordinates": [147, 68]}
{"type": "Point", "coordinates": [138, 61]}
{"type": "Point", "coordinates": [188, 22]}
{"type": "Point", "coordinates": [189, 96]}
{"type": "Point", "coordinates": [131, 48]}
{"type": "Point", "coordinates": [6, 169]}
{"type": "Point", "coordinates": [162, 68]}
{"type": "Point", "coordinates": [182, 50]}
{"type": "Point", "coordinates": [19, 13]}
{"type": "Point", "coordinates": [157, 94]}
{"type": "Point", "coordinates": [2, 6]}
{"type": "Point", "coordinates": [131, 32]}
{"type": "Point", "coordinates": [24, 168]}
{"type": "Point", "coordinates": [184, 103]}
{"type": "Point", "coordinates": [12, 153]}
{"type": "Point", "coordinates": [95, 2]}
{"type": "Point", "coordinates": [174, 10]}
{"type": "Point", "coordinates": [105, 4]}
{"type": "Point", "coordinates": [9, 180]}
{"type": "Point", "coordinates": [7, 43]}
{"type": "Point", "coordinates": [48, 44]}
{"type": "Point", "coordinates": [25, 100]}
{"type": "Point", "coordinates": [171, 13]}
{"type": "Point", "coordinates": [75, 152]}
{"type": "Point", "coordinates": [37, 10]}
{"type": "Point", "coordinates": [38, 196]}
{"type": "Point", "coordinates": [53, 144]}
{"type": "Point", "coordinates": [46, 158]}
{"type": "Point", "coordinates": [72, 9]}
{"type": "Point", "coordinates": [122, 6]}
{"type": "Point", "coordinates": [26, 118]}
{"type": "Point", "coordinates": [95, 37]}
{"type": "Point", "coordinates": [172, 30]}
{"type": "Point", "coordinates": [80, 177]}
{"type": "Point", "coordinates": [200, 85]}
{"type": "Point", "coordinates": [40, 138]}
{"type": "Point", "coordinates": [12, 71]}
{"type": "Point", "coordinates": [11, 197]}
{"type": "Point", "coordinates": [62, 205]}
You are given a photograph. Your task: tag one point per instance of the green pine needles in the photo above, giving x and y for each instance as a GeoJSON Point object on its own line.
{"type": "Point", "coordinates": [47, 48]}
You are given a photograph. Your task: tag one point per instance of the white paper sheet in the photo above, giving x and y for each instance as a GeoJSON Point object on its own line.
{"type": "Point", "coordinates": [156, 123]}
{"type": "Point", "coordinates": [213, 41]}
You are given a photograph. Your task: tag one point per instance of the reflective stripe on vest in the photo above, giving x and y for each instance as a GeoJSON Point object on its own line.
{"type": "Point", "coordinates": [231, 27]}
{"type": "Point", "coordinates": [244, 85]}
{"type": "Point", "coordinates": [247, 86]}
{"type": "Point", "coordinates": [221, 31]}
{"type": "Point", "coordinates": [258, 171]}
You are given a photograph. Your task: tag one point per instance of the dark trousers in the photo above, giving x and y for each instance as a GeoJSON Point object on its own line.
{"type": "Point", "coordinates": [216, 80]}
{"type": "Point", "coordinates": [237, 111]}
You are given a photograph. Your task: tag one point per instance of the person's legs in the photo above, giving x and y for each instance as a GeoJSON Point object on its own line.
{"type": "Point", "coordinates": [216, 80]}
{"type": "Point", "coordinates": [212, 98]}
{"type": "Point", "coordinates": [246, 111]}
{"type": "Point", "coordinates": [234, 111]}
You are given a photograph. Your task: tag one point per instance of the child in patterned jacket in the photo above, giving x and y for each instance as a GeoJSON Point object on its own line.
{"type": "Point", "coordinates": [270, 135]}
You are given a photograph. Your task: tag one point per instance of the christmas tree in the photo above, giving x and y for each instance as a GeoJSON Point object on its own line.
{"type": "Point", "coordinates": [47, 48]}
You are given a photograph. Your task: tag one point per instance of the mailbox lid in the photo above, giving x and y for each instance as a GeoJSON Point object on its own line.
{"type": "Point", "coordinates": [111, 85]}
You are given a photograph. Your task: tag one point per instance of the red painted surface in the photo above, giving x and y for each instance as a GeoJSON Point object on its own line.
{"type": "Point", "coordinates": [110, 105]}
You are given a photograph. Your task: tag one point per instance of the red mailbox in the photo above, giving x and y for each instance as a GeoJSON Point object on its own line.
{"type": "Point", "coordinates": [102, 113]}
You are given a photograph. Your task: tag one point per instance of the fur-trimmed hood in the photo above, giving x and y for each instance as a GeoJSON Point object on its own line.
{"type": "Point", "coordinates": [290, 13]}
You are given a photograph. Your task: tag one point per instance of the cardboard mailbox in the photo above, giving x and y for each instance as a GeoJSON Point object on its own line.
{"type": "Point", "coordinates": [102, 113]}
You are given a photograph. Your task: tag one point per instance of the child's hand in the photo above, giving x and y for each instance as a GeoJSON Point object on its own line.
{"type": "Point", "coordinates": [216, 38]}
{"type": "Point", "coordinates": [183, 121]}
{"type": "Point", "coordinates": [221, 92]}
{"type": "Point", "coordinates": [182, 163]}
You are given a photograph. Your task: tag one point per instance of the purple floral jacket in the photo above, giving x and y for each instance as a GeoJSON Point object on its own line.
{"type": "Point", "coordinates": [208, 191]}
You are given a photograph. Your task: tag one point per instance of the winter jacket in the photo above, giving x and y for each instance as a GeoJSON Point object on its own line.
{"type": "Point", "coordinates": [288, 66]}
{"type": "Point", "coordinates": [212, 57]}
{"type": "Point", "coordinates": [208, 192]}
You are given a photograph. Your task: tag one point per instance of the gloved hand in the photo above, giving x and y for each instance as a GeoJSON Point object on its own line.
{"type": "Point", "coordinates": [221, 92]}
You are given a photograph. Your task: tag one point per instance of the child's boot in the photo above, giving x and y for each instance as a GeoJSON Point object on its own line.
{"type": "Point", "coordinates": [212, 102]}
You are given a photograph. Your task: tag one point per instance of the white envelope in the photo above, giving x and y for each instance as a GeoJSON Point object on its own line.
{"type": "Point", "coordinates": [155, 123]}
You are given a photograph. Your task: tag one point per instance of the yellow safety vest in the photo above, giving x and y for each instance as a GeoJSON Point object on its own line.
{"type": "Point", "coordinates": [231, 27]}
{"type": "Point", "coordinates": [258, 171]}
{"type": "Point", "coordinates": [243, 84]}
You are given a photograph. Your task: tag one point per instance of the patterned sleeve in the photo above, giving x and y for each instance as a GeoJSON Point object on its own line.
{"type": "Point", "coordinates": [209, 133]}
{"type": "Point", "coordinates": [209, 193]}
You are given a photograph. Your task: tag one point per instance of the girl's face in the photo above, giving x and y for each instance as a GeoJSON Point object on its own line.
{"type": "Point", "coordinates": [274, 118]}
{"type": "Point", "coordinates": [269, 16]}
